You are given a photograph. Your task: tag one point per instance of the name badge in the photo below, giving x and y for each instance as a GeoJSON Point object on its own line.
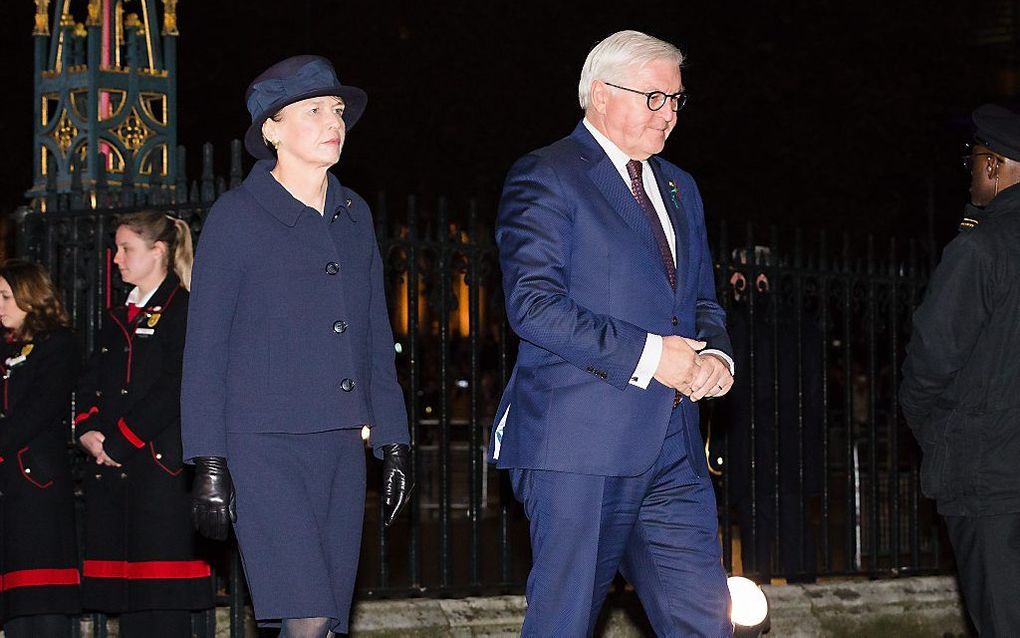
{"type": "Point", "coordinates": [145, 332]}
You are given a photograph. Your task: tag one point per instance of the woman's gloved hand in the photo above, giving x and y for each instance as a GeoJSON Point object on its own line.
{"type": "Point", "coordinates": [212, 498]}
{"type": "Point", "coordinates": [396, 485]}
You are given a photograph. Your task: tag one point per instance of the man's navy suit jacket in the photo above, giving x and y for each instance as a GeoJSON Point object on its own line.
{"type": "Point", "coordinates": [584, 284]}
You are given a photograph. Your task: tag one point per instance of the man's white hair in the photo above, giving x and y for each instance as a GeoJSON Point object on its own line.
{"type": "Point", "coordinates": [612, 59]}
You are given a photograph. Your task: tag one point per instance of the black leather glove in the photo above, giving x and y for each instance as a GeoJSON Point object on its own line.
{"type": "Point", "coordinates": [212, 498]}
{"type": "Point", "coordinates": [396, 485]}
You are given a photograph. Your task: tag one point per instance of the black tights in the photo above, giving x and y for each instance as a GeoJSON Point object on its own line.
{"type": "Point", "coordinates": [305, 628]}
{"type": "Point", "coordinates": [38, 626]}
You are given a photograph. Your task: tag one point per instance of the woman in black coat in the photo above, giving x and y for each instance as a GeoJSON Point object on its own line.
{"type": "Point", "coordinates": [141, 557]}
{"type": "Point", "coordinates": [39, 579]}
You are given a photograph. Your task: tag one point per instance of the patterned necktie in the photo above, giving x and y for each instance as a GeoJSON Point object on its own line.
{"type": "Point", "coordinates": [637, 188]}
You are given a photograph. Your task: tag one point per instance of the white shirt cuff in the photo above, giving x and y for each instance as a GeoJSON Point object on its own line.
{"type": "Point", "coordinates": [725, 357]}
{"type": "Point", "coordinates": [648, 363]}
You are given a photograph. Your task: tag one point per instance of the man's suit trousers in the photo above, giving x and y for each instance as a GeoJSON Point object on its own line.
{"type": "Point", "coordinates": [987, 552]}
{"type": "Point", "coordinates": [659, 529]}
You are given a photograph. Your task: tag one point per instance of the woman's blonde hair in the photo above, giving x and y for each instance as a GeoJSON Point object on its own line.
{"type": "Point", "coordinates": [36, 295]}
{"type": "Point", "coordinates": [153, 226]}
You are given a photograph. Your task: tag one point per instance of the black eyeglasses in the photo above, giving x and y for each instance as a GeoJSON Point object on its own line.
{"type": "Point", "coordinates": [657, 99]}
{"type": "Point", "coordinates": [968, 159]}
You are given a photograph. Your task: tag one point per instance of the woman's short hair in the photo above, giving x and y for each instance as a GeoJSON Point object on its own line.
{"type": "Point", "coordinates": [153, 226]}
{"type": "Point", "coordinates": [36, 295]}
{"type": "Point", "coordinates": [611, 59]}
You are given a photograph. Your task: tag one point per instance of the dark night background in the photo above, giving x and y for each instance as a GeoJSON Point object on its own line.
{"type": "Point", "coordinates": [839, 115]}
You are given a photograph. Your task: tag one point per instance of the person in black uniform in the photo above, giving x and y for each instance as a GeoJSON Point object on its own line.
{"type": "Point", "coordinates": [39, 579]}
{"type": "Point", "coordinates": [141, 559]}
{"type": "Point", "coordinates": [960, 392]}
{"type": "Point", "coordinates": [289, 354]}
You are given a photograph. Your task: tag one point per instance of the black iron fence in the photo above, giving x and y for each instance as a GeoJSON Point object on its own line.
{"type": "Point", "coordinates": [816, 473]}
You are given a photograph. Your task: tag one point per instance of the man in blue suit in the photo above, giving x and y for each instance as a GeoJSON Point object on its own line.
{"type": "Point", "coordinates": [609, 284]}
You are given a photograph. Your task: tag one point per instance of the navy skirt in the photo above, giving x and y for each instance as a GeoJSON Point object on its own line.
{"type": "Point", "coordinates": [300, 506]}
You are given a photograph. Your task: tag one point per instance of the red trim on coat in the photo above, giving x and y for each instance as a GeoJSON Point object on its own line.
{"type": "Point", "coordinates": [21, 464]}
{"type": "Point", "coordinates": [85, 415]}
{"type": "Point", "coordinates": [39, 577]}
{"type": "Point", "coordinates": [129, 434]}
{"type": "Point", "coordinates": [166, 304]}
{"type": "Point", "coordinates": [127, 337]}
{"type": "Point", "coordinates": [157, 461]}
{"type": "Point", "coordinates": [146, 570]}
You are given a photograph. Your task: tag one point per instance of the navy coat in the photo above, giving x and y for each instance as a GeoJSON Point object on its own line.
{"type": "Point", "coordinates": [584, 286]}
{"type": "Point", "coordinates": [288, 329]}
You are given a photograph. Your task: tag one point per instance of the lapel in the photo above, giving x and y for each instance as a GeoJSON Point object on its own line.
{"type": "Point", "coordinates": [617, 194]}
{"type": "Point", "coordinates": [681, 226]}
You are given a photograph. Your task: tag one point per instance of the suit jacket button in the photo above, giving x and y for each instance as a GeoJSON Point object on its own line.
{"type": "Point", "coordinates": [347, 385]}
{"type": "Point", "coordinates": [159, 456]}
{"type": "Point", "coordinates": [99, 393]}
{"type": "Point", "coordinates": [123, 390]}
{"type": "Point", "coordinates": [104, 349]}
{"type": "Point", "coordinates": [675, 321]}
{"type": "Point", "coordinates": [339, 327]}
{"type": "Point", "coordinates": [332, 268]}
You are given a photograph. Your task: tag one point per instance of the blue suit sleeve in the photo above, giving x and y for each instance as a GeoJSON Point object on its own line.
{"type": "Point", "coordinates": [387, 398]}
{"type": "Point", "coordinates": [535, 231]}
{"type": "Point", "coordinates": [215, 283]}
{"type": "Point", "coordinates": [710, 318]}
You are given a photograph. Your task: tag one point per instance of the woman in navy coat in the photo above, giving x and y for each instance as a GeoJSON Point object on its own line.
{"type": "Point", "coordinates": [289, 354]}
{"type": "Point", "coordinates": [38, 360]}
{"type": "Point", "coordinates": [142, 557]}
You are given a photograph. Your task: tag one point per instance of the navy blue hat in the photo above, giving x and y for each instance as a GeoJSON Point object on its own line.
{"type": "Point", "coordinates": [998, 128]}
{"type": "Point", "coordinates": [292, 80]}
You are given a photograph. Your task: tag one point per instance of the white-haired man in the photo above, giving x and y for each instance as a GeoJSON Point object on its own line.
{"type": "Point", "coordinates": [610, 286]}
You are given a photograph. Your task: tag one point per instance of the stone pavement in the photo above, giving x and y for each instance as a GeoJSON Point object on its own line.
{"type": "Point", "coordinates": [901, 608]}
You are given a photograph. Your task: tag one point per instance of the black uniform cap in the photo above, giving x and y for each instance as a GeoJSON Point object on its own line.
{"type": "Point", "coordinates": [998, 128]}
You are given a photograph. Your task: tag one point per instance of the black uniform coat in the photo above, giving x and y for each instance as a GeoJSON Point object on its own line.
{"type": "Point", "coordinates": [38, 556]}
{"type": "Point", "coordinates": [140, 548]}
{"type": "Point", "coordinates": [961, 379]}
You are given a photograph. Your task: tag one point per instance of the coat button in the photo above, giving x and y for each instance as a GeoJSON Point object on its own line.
{"type": "Point", "coordinates": [339, 327]}
{"type": "Point", "coordinates": [332, 268]}
{"type": "Point", "coordinates": [159, 456]}
{"type": "Point", "coordinates": [125, 348]}
{"type": "Point", "coordinates": [99, 393]}
{"type": "Point", "coordinates": [123, 475]}
{"type": "Point", "coordinates": [28, 470]}
{"type": "Point", "coordinates": [347, 385]}
{"type": "Point", "coordinates": [675, 321]}
{"type": "Point", "coordinates": [123, 390]}
{"type": "Point", "coordinates": [104, 349]}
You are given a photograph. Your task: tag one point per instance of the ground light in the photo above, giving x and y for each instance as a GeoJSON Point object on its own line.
{"type": "Point", "coordinates": [749, 608]}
